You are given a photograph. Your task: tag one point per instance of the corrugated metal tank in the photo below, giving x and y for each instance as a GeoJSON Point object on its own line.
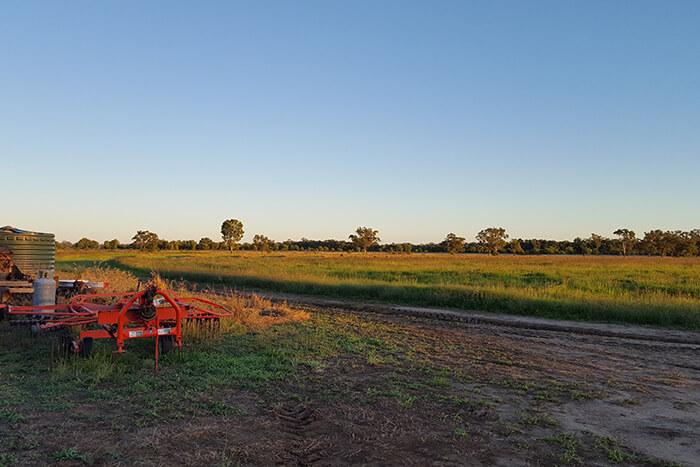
{"type": "Point", "coordinates": [31, 251]}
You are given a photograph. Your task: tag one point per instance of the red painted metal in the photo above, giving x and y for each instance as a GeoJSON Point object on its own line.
{"type": "Point", "coordinates": [150, 313]}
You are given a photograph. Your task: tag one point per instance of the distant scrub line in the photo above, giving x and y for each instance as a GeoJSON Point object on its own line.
{"type": "Point", "coordinates": [654, 243]}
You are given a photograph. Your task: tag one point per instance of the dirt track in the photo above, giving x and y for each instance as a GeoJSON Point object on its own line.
{"type": "Point", "coordinates": [649, 378]}
{"type": "Point", "coordinates": [642, 393]}
{"type": "Point", "coordinates": [472, 317]}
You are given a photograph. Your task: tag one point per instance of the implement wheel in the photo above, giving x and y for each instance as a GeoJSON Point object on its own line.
{"type": "Point", "coordinates": [66, 344]}
{"type": "Point", "coordinates": [166, 343]}
{"type": "Point", "coordinates": [85, 349]}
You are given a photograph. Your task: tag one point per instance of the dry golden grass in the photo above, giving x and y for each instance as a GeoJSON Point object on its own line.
{"type": "Point", "coordinates": [249, 312]}
{"type": "Point", "coordinates": [117, 280]}
{"type": "Point", "coordinates": [256, 313]}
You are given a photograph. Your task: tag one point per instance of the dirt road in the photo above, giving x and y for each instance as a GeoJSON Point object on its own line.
{"type": "Point", "coordinates": [643, 394]}
{"type": "Point", "coordinates": [639, 386]}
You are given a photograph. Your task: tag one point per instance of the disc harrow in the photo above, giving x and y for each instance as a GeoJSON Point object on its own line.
{"type": "Point", "coordinates": [151, 313]}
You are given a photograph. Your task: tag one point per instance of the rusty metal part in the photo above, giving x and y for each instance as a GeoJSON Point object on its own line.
{"type": "Point", "coordinates": [6, 262]}
{"type": "Point", "coordinates": [5, 295]}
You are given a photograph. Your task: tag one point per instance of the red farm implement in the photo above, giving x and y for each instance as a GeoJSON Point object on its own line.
{"type": "Point", "coordinates": [150, 313]}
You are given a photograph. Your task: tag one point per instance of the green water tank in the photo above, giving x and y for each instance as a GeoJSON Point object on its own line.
{"type": "Point", "coordinates": [31, 251]}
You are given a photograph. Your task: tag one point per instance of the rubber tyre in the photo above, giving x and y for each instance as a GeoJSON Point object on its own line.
{"type": "Point", "coordinates": [66, 345]}
{"type": "Point", "coordinates": [167, 344]}
{"type": "Point", "coordinates": [86, 347]}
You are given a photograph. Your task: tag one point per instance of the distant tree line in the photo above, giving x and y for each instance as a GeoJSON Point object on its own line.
{"type": "Point", "coordinates": [493, 240]}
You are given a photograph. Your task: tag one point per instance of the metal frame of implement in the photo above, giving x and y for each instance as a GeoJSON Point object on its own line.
{"type": "Point", "coordinates": [151, 312]}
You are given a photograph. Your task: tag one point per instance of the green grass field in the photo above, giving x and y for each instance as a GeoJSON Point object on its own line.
{"type": "Point", "coordinates": [640, 290]}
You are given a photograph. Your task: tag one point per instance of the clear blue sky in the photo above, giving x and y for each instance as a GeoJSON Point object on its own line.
{"type": "Point", "coordinates": [552, 119]}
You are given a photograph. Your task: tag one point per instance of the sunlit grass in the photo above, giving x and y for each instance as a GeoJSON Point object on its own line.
{"type": "Point", "coordinates": [642, 290]}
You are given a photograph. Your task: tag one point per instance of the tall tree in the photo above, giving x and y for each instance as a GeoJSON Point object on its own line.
{"type": "Point", "coordinates": [145, 240]}
{"type": "Point", "coordinates": [492, 239]}
{"type": "Point", "coordinates": [581, 246]}
{"type": "Point", "coordinates": [87, 244]}
{"type": "Point", "coordinates": [516, 247]}
{"type": "Point", "coordinates": [188, 245]}
{"type": "Point", "coordinates": [365, 238]}
{"type": "Point", "coordinates": [262, 243]}
{"type": "Point", "coordinates": [232, 233]}
{"type": "Point", "coordinates": [404, 247]}
{"type": "Point", "coordinates": [205, 243]}
{"type": "Point", "coordinates": [111, 244]}
{"type": "Point", "coordinates": [453, 244]}
{"type": "Point", "coordinates": [627, 240]}
{"type": "Point", "coordinates": [596, 242]}
{"type": "Point", "coordinates": [656, 242]}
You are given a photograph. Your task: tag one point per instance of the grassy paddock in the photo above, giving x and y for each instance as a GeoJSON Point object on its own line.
{"type": "Point", "coordinates": [640, 290]}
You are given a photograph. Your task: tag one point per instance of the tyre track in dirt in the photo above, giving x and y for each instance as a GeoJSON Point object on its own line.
{"type": "Point", "coordinates": [304, 450]}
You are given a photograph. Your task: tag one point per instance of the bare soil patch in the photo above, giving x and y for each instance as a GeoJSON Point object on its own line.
{"type": "Point", "coordinates": [386, 390]}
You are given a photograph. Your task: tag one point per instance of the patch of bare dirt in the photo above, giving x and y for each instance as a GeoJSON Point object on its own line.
{"type": "Point", "coordinates": [442, 394]}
